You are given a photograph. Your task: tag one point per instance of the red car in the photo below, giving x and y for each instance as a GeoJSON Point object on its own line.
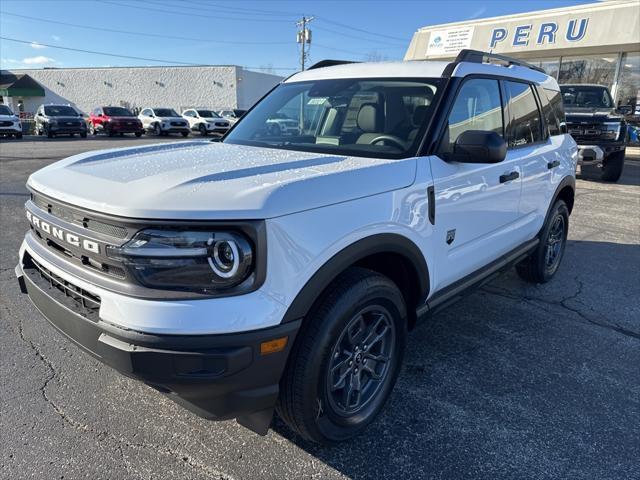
{"type": "Point", "coordinates": [113, 121]}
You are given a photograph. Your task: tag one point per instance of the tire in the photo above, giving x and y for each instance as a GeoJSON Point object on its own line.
{"type": "Point", "coordinates": [612, 167]}
{"type": "Point", "coordinates": [18, 136]}
{"type": "Point", "coordinates": [108, 130]}
{"type": "Point", "coordinates": [359, 299]}
{"type": "Point", "coordinates": [71, 135]}
{"type": "Point", "coordinates": [49, 133]}
{"type": "Point", "coordinates": [156, 130]}
{"type": "Point", "coordinates": [184, 134]}
{"type": "Point", "coordinates": [83, 135]}
{"type": "Point", "coordinates": [138, 134]}
{"type": "Point", "coordinates": [543, 263]}
{"type": "Point", "coordinates": [203, 130]}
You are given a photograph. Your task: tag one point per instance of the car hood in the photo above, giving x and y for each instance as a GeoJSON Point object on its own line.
{"type": "Point", "coordinates": [66, 119]}
{"type": "Point", "coordinates": [209, 180]}
{"type": "Point", "coordinates": [171, 119]}
{"type": "Point", "coordinates": [10, 118]}
{"type": "Point", "coordinates": [577, 114]}
{"type": "Point", "coordinates": [125, 119]}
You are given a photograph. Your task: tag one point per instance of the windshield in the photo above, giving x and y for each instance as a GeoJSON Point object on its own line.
{"type": "Point", "coordinates": [226, 113]}
{"type": "Point", "coordinates": [586, 96]}
{"type": "Point", "coordinates": [361, 117]}
{"type": "Point", "coordinates": [60, 111]}
{"type": "Point", "coordinates": [117, 112]}
{"type": "Point", "coordinates": [208, 114]}
{"type": "Point", "coordinates": [165, 112]}
{"type": "Point", "coordinates": [4, 110]}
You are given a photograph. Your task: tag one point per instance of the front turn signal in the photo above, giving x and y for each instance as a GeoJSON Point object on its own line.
{"type": "Point", "coordinates": [273, 346]}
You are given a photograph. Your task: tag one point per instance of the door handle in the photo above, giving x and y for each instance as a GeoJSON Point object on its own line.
{"type": "Point", "coordinates": [554, 164]}
{"type": "Point", "coordinates": [507, 177]}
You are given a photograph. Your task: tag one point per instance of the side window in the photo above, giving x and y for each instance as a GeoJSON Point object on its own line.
{"type": "Point", "coordinates": [555, 102]}
{"type": "Point", "coordinates": [524, 126]}
{"type": "Point", "coordinates": [146, 112]}
{"type": "Point", "coordinates": [478, 106]}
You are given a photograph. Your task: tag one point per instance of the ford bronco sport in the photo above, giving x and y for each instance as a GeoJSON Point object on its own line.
{"type": "Point", "coordinates": [267, 272]}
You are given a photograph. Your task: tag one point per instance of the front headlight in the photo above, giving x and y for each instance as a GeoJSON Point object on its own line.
{"type": "Point", "coordinates": [53, 121]}
{"type": "Point", "coordinates": [611, 130]}
{"type": "Point", "coordinates": [203, 261]}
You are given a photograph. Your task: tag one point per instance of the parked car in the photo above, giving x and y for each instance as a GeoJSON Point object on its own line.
{"type": "Point", "coordinates": [280, 124]}
{"type": "Point", "coordinates": [114, 121]}
{"type": "Point", "coordinates": [163, 121]}
{"type": "Point", "coordinates": [52, 120]}
{"type": "Point", "coordinates": [10, 125]}
{"type": "Point", "coordinates": [256, 273]}
{"type": "Point", "coordinates": [599, 128]}
{"type": "Point", "coordinates": [206, 121]}
{"type": "Point", "coordinates": [233, 114]}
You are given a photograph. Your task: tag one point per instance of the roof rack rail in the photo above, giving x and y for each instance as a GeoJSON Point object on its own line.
{"type": "Point", "coordinates": [329, 63]}
{"type": "Point", "coordinates": [477, 56]}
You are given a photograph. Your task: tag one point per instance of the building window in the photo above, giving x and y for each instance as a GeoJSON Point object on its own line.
{"type": "Point", "coordinates": [628, 92]}
{"type": "Point", "coordinates": [550, 65]}
{"type": "Point", "coordinates": [597, 69]}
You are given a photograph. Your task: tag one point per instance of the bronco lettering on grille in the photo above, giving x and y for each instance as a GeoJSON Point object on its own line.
{"type": "Point", "coordinates": [63, 235]}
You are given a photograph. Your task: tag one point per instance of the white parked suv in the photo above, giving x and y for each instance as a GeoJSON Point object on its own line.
{"type": "Point", "coordinates": [206, 121]}
{"type": "Point", "coordinates": [266, 272]}
{"type": "Point", "coordinates": [10, 124]}
{"type": "Point", "coordinates": [163, 121]}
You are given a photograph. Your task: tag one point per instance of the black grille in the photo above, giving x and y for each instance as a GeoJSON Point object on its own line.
{"type": "Point", "coordinates": [5, 124]}
{"type": "Point", "coordinates": [221, 124]}
{"type": "Point", "coordinates": [88, 304]}
{"type": "Point", "coordinates": [178, 124]}
{"type": "Point", "coordinates": [77, 218]}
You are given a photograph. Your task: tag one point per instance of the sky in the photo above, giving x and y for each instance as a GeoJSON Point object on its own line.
{"type": "Point", "coordinates": [260, 35]}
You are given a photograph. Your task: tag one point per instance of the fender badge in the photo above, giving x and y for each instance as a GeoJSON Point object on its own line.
{"type": "Point", "coordinates": [451, 236]}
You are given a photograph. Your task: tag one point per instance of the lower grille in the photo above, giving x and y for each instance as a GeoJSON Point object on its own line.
{"type": "Point", "coordinates": [5, 124]}
{"type": "Point", "coordinates": [86, 303]}
{"type": "Point", "coordinates": [178, 124]}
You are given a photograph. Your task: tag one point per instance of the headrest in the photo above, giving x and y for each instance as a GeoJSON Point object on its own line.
{"type": "Point", "coordinates": [368, 118]}
{"type": "Point", "coordinates": [419, 115]}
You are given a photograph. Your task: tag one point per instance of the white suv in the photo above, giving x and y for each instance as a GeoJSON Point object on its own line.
{"type": "Point", "coordinates": [10, 124]}
{"type": "Point", "coordinates": [206, 121]}
{"type": "Point", "coordinates": [163, 121]}
{"type": "Point", "coordinates": [268, 272]}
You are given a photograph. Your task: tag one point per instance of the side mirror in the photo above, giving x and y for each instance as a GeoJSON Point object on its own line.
{"type": "Point", "coordinates": [479, 146]}
{"type": "Point", "coordinates": [624, 110]}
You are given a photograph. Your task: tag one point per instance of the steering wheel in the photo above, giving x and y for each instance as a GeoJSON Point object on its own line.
{"type": "Point", "coordinates": [389, 138]}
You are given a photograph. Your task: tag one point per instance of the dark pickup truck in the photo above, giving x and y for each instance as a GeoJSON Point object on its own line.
{"type": "Point", "coordinates": [598, 128]}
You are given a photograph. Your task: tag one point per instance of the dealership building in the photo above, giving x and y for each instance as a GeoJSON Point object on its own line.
{"type": "Point", "coordinates": [593, 43]}
{"type": "Point", "coordinates": [219, 86]}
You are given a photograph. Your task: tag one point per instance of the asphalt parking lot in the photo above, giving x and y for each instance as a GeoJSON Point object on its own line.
{"type": "Point", "coordinates": [515, 381]}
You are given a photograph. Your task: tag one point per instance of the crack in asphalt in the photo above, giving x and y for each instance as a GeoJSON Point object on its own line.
{"type": "Point", "coordinates": [210, 473]}
{"type": "Point", "coordinates": [563, 303]}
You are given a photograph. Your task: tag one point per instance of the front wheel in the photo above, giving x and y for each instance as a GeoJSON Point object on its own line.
{"type": "Point", "coordinates": [346, 360]}
{"type": "Point", "coordinates": [83, 135]}
{"type": "Point", "coordinates": [138, 134]}
{"type": "Point", "coordinates": [203, 130]}
{"type": "Point", "coordinates": [612, 167]}
{"type": "Point", "coordinates": [543, 263]}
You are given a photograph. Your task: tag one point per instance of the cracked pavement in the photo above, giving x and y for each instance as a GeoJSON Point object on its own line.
{"type": "Point", "coordinates": [515, 381]}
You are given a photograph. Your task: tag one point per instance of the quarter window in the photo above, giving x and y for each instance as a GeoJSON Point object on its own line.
{"type": "Point", "coordinates": [552, 110]}
{"type": "Point", "coordinates": [477, 107]}
{"type": "Point", "coordinates": [524, 126]}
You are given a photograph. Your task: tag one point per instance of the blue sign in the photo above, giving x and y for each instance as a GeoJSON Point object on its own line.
{"type": "Point", "coordinates": [546, 33]}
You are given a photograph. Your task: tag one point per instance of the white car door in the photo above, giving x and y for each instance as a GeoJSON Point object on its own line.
{"type": "Point", "coordinates": [477, 205]}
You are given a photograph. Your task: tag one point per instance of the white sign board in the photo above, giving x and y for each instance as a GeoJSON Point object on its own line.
{"type": "Point", "coordinates": [442, 42]}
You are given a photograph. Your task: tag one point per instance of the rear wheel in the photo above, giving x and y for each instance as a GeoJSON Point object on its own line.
{"type": "Point", "coordinates": [203, 130]}
{"type": "Point", "coordinates": [138, 134]}
{"type": "Point", "coordinates": [346, 360]}
{"type": "Point", "coordinates": [83, 134]}
{"type": "Point", "coordinates": [612, 167]}
{"type": "Point", "coordinates": [543, 263]}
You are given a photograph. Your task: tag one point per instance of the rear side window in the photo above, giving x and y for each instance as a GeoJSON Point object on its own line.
{"type": "Point", "coordinates": [555, 113]}
{"type": "Point", "coordinates": [524, 125]}
{"type": "Point", "coordinates": [478, 106]}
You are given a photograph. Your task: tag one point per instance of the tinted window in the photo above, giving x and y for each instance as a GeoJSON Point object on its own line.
{"type": "Point", "coordinates": [166, 112]}
{"type": "Point", "coordinates": [208, 114]}
{"type": "Point", "coordinates": [552, 110]}
{"type": "Point", "coordinates": [477, 107]}
{"type": "Point", "coordinates": [586, 96]}
{"type": "Point", "coordinates": [524, 125]}
{"type": "Point", "coordinates": [4, 110]}
{"type": "Point", "coordinates": [60, 111]}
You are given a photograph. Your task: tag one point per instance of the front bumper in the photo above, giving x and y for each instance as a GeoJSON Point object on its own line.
{"type": "Point", "coordinates": [64, 129]}
{"type": "Point", "coordinates": [12, 130]}
{"type": "Point", "coordinates": [594, 154]}
{"type": "Point", "coordinates": [218, 377]}
{"type": "Point", "coordinates": [124, 128]}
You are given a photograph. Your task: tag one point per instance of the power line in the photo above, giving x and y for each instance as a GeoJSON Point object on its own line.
{"type": "Point", "coordinates": [108, 54]}
{"type": "Point", "coordinates": [185, 14]}
{"type": "Point", "coordinates": [350, 27]}
{"type": "Point", "coordinates": [325, 29]}
{"type": "Point", "coordinates": [217, 6]}
{"type": "Point", "coordinates": [140, 34]}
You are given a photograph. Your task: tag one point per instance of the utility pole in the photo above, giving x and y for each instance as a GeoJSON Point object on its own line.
{"type": "Point", "coordinates": [303, 37]}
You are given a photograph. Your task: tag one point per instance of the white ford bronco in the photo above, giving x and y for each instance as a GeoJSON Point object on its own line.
{"type": "Point", "coordinates": [267, 272]}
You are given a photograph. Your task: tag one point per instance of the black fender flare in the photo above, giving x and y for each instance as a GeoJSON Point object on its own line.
{"type": "Point", "coordinates": [567, 181]}
{"type": "Point", "coordinates": [347, 257]}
